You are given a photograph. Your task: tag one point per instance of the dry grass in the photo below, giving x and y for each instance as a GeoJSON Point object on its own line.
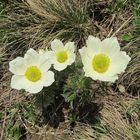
{"type": "Point", "coordinates": [131, 79]}
{"type": "Point", "coordinates": [34, 24]}
{"type": "Point", "coordinates": [117, 122]}
{"type": "Point", "coordinates": [80, 132]}
{"type": "Point", "coordinates": [38, 22]}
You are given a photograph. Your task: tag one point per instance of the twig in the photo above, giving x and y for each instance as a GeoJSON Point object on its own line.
{"type": "Point", "coordinates": [2, 132]}
{"type": "Point", "coordinates": [124, 24]}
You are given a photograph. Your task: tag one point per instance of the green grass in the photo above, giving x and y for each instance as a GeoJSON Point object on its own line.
{"type": "Point", "coordinates": [67, 20]}
{"type": "Point", "coordinates": [91, 109]}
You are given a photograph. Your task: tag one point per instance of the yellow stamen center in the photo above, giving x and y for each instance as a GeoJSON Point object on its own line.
{"type": "Point", "coordinates": [62, 56]}
{"type": "Point", "coordinates": [100, 63]}
{"type": "Point", "coordinates": [33, 73]}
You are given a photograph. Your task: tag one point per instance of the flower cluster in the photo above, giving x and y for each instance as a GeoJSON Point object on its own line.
{"type": "Point", "coordinates": [102, 60]}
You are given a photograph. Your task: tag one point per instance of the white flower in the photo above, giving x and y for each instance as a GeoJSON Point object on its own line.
{"type": "Point", "coordinates": [43, 51]}
{"type": "Point", "coordinates": [31, 72]}
{"type": "Point", "coordinates": [62, 56]}
{"type": "Point", "coordinates": [103, 60]}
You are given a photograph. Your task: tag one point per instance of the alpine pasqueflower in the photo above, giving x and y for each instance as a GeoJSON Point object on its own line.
{"type": "Point", "coordinates": [62, 55]}
{"type": "Point", "coordinates": [31, 72]}
{"type": "Point", "coordinates": [103, 60]}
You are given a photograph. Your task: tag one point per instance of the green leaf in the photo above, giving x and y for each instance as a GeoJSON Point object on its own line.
{"type": "Point", "coordinates": [127, 37]}
{"type": "Point", "coordinates": [1, 115]}
{"type": "Point", "coordinates": [69, 97]}
{"type": "Point", "coordinates": [14, 131]}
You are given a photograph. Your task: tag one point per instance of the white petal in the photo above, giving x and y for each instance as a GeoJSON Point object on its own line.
{"type": "Point", "coordinates": [35, 87]}
{"type": "Point", "coordinates": [45, 66]}
{"type": "Point", "coordinates": [86, 59]}
{"type": "Point", "coordinates": [57, 45]}
{"type": "Point", "coordinates": [19, 82]}
{"type": "Point", "coordinates": [119, 62]}
{"type": "Point", "coordinates": [111, 79]}
{"type": "Point", "coordinates": [70, 47]}
{"type": "Point", "coordinates": [45, 62]}
{"type": "Point", "coordinates": [71, 58]}
{"type": "Point", "coordinates": [52, 57]}
{"type": "Point", "coordinates": [48, 54]}
{"type": "Point", "coordinates": [60, 66]}
{"type": "Point", "coordinates": [31, 52]}
{"type": "Point", "coordinates": [93, 44]}
{"type": "Point", "coordinates": [107, 78]}
{"type": "Point", "coordinates": [110, 46]}
{"type": "Point", "coordinates": [32, 57]}
{"type": "Point", "coordinates": [47, 78]}
{"type": "Point", "coordinates": [89, 72]}
{"type": "Point", "coordinates": [41, 51]}
{"type": "Point", "coordinates": [84, 55]}
{"type": "Point", "coordinates": [17, 66]}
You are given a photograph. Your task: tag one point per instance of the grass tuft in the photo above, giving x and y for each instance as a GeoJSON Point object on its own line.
{"type": "Point", "coordinates": [36, 23]}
